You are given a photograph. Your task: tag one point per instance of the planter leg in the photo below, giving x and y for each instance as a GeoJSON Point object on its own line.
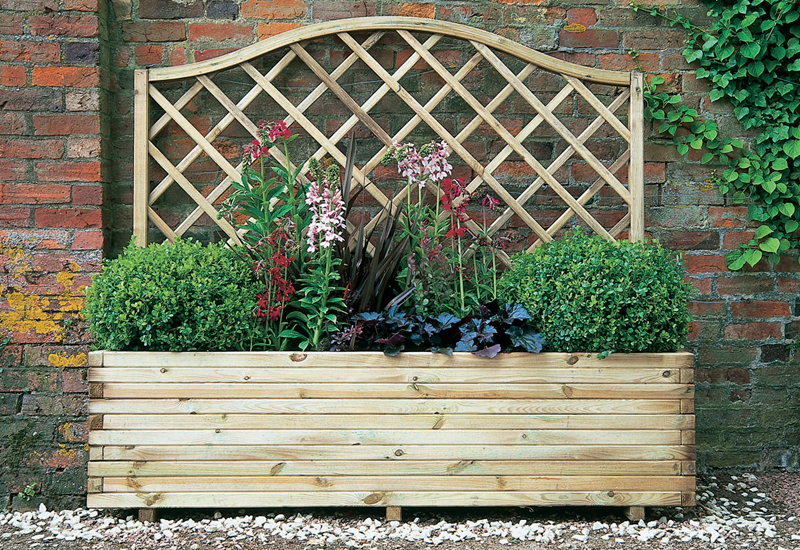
{"type": "Point", "coordinates": [394, 513]}
{"type": "Point", "coordinates": [148, 514]}
{"type": "Point", "coordinates": [634, 513]}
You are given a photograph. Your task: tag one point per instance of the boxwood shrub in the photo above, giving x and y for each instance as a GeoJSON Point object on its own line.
{"type": "Point", "coordinates": [585, 294]}
{"type": "Point", "coordinates": [173, 297]}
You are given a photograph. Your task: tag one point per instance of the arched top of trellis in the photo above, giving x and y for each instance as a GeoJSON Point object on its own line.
{"type": "Point", "coordinates": [443, 28]}
{"type": "Point", "coordinates": [486, 47]}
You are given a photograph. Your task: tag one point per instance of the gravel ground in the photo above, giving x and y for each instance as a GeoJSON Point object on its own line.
{"type": "Point", "coordinates": [736, 510]}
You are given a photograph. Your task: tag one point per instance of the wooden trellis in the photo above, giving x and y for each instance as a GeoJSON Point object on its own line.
{"type": "Point", "coordinates": [485, 47]}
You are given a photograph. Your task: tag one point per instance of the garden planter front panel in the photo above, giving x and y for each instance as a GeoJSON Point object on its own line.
{"type": "Point", "coordinates": [273, 429]}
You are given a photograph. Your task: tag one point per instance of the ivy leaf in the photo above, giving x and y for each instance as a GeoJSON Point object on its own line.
{"type": "Point", "coordinates": [708, 157]}
{"type": "Point", "coordinates": [770, 245]}
{"type": "Point", "coordinates": [753, 257]}
{"type": "Point", "coordinates": [780, 164]}
{"type": "Point", "coordinates": [735, 260]}
{"type": "Point", "coordinates": [750, 50]}
{"type": "Point", "coordinates": [792, 148]}
{"type": "Point", "coordinates": [716, 94]}
{"type": "Point", "coordinates": [762, 231]}
{"type": "Point", "coordinates": [787, 209]}
{"type": "Point", "coordinates": [791, 226]}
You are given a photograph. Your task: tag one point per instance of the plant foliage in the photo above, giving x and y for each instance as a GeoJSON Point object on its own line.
{"type": "Point", "coordinates": [487, 333]}
{"type": "Point", "coordinates": [750, 55]}
{"type": "Point", "coordinates": [588, 294]}
{"type": "Point", "coordinates": [173, 297]}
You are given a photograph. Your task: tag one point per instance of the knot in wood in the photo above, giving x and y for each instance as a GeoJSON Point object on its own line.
{"type": "Point", "coordinates": [298, 357]}
{"type": "Point", "coordinates": [572, 360]}
{"type": "Point", "coordinates": [666, 374]}
{"type": "Point", "coordinates": [611, 493]}
{"type": "Point", "coordinates": [399, 452]}
{"type": "Point", "coordinates": [163, 370]}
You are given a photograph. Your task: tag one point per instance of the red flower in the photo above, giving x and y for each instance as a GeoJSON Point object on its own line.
{"type": "Point", "coordinates": [279, 129]}
{"type": "Point", "coordinates": [456, 232]}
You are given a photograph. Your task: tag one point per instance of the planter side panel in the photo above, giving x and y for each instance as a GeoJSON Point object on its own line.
{"type": "Point", "coordinates": [362, 429]}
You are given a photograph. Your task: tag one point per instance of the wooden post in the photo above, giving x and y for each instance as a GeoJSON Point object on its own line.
{"type": "Point", "coordinates": [148, 514]}
{"type": "Point", "coordinates": [394, 513]}
{"type": "Point", "coordinates": [634, 513]}
{"type": "Point", "coordinates": [636, 164]}
{"type": "Point", "coordinates": [141, 156]}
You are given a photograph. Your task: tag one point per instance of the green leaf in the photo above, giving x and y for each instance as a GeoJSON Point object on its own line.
{"type": "Point", "coordinates": [716, 94]}
{"type": "Point", "coordinates": [683, 148]}
{"type": "Point", "coordinates": [753, 257]}
{"type": "Point", "coordinates": [770, 245]}
{"type": "Point", "coordinates": [791, 226]}
{"type": "Point", "coordinates": [762, 232]}
{"type": "Point", "coordinates": [708, 157]}
{"type": "Point", "coordinates": [792, 148]}
{"type": "Point", "coordinates": [750, 50]}
{"type": "Point", "coordinates": [735, 260]}
{"type": "Point", "coordinates": [786, 208]}
{"type": "Point", "coordinates": [779, 164]}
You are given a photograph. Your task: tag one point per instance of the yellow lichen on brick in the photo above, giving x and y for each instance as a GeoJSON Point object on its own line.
{"type": "Point", "coordinates": [575, 27]}
{"type": "Point", "coordinates": [68, 453]}
{"type": "Point", "coordinates": [61, 361]}
{"type": "Point", "coordinates": [29, 313]}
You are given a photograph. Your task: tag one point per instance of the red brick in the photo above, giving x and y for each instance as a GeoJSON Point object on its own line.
{"type": "Point", "coordinates": [68, 171]}
{"type": "Point", "coordinates": [728, 216]}
{"type": "Point", "coordinates": [11, 23]}
{"type": "Point", "coordinates": [271, 9]}
{"type": "Point", "coordinates": [340, 9]}
{"type": "Point", "coordinates": [89, 239]}
{"type": "Point", "coordinates": [82, 100]}
{"type": "Point", "coordinates": [654, 39]}
{"type": "Point", "coordinates": [409, 9]}
{"type": "Point", "coordinates": [14, 217]}
{"type": "Point", "coordinates": [760, 309]}
{"type": "Point", "coordinates": [624, 62]}
{"type": "Point", "coordinates": [219, 31]}
{"type": "Point", "coordinates": [590, 38]}
{"type": "Point", "coordinates": [78, 218]}
{"type": "Point", "coordinates": [202, 55]}
{"type": "Point", "coordinates": [582, 16]}
{"type": "Point", "coordinates": [706, 309]}
{"type": "Point", "coordinates": [690, 240]}
{"type": "Point", "coordinates": [79, 77]}
{"type": "Point", "coordinates": [149, 54]}
{"type": "Point", "coordinates": [178, 56]}
{"type": "Point", "coordinates": [83, 148]}
{"type": "Point", "coordinates": [84, 26]}
{"type": "Point", "coordinates": [29, 5]}
{"type": "Point", "coordinates": [788, 264]}
{"type": "Point", "coordinates": [170, 9]}
{"type": "Point", "coordinates": [87, 195]}
{"type": "Point", "coordinates": [753, 331]}
{"type": "Point", "coordinates": [703, 286]}
{"type": "Point", "coordinates": [31, 149]}
{"type": "Point", "coordinates": [12, 75]}
{"type": "Point", "coordinates": [27, 193]}
{"type": "Point", "coordinates": [81, 5]}
{"type": "Point", "coordinates": [12, 170]}
{"type": "Point", "coordinates": [734, 238]}
{"type": "Point", "coordinates": [66, 125]}
{"type": "Point", "coordinates": [704, 264]}
{"type": "Point", "coordinates": [153, 31]}
{"type": "Point", "coordinates": [265, 30]}
{"type": "Point", "coordinates": [25, 51]}
{"type": "Point", "coordinates": [74, 381]}
{"type": "Point", "coordinates": [744, 284]}
{"type": "Point", "coordinates": [694, 331]}
{"type": "Point", "coordinates": [12, 123]}
{"type": "Point", "coordinates": [788, 286]}
{"type": "Point", "coordinates": [738, 375]}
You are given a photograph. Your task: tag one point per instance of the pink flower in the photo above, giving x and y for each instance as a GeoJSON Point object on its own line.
{"type": "Point", "coordinates": [327, 215]}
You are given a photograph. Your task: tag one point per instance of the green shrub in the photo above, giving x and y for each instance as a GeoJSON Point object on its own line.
{"type": "Point", "coordinates": [176, 297]}
{"type": "Point", "coordinates": [588, 294]}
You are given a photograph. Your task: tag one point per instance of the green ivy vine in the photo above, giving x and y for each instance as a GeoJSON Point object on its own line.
{"type": "Point", "coordinates": [749, 55]}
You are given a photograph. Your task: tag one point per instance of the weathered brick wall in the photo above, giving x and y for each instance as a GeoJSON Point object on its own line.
{"type": "Point", "coordinates": [51, 239]}
{"type": "Point", "coordinates": [748, 381]}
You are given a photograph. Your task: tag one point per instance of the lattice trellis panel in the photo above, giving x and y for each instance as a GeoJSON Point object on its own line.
{"type": "Point", "coordinates": [489, 60]}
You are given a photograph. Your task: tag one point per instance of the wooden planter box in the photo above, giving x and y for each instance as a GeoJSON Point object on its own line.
{"type": "Point", "coordinates": [275, 429]}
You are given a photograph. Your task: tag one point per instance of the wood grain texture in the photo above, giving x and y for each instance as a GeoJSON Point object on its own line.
{"type": "Point", "coordinates": [121, 468]}
{"type": "Point", "coordinates": [381, 499]}
{"type": "Point", "coordinates": [364, 429]}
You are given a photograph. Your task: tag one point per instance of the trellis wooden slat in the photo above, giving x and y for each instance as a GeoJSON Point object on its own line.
{"type": "Point", "coordinates": [485, 45]}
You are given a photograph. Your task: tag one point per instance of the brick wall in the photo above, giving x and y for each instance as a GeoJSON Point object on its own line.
{"type": "Point", "coordinates": [53, 87]}
{"type": "Point", "coordinates": [51, 238]}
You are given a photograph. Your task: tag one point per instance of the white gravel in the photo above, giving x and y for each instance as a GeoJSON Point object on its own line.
{"type": "Point", "coordinates": [718, 522]}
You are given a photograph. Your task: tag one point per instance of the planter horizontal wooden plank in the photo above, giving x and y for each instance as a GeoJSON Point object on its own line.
{"type": "Point", "coordinates": [363, 429]}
